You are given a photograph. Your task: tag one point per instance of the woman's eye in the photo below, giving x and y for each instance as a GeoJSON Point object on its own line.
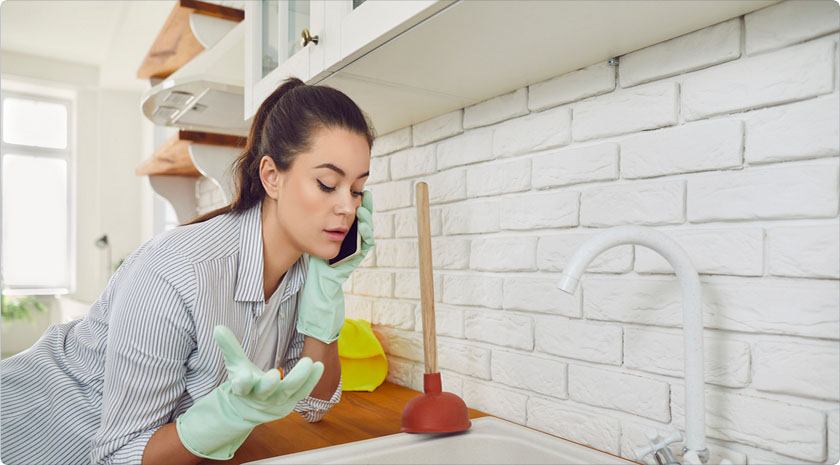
{"type": "Point", "coordinates": [325, 187]}
{"type": "Point", "coordinates": [358, 194]}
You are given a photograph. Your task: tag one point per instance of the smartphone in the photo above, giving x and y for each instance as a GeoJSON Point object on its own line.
{"type": "Point", "coordinates": [349, 246]}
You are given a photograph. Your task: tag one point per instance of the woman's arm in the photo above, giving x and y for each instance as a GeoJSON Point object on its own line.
{"type": "Point", "coordinates": [164, 447]}
{"type": "Point", "coordinates": [149, 341]}
{"type": "Point", "coordinates": [328, 355]}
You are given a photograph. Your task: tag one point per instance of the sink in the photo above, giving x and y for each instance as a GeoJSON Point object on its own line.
{"type": "Point", "coordinates": [490, 440]}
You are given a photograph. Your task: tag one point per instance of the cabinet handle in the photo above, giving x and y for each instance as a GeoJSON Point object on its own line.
{"type": "Point", "coordinates": [306, 37]}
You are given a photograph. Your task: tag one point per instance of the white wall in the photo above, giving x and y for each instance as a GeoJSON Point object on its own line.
{"type": "Point", "coordinates": [726, 139]}
{"type": "Point", "coordinates": [112, 139]}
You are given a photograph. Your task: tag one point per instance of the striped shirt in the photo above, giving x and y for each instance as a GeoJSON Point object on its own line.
{"type": "Point", "coordinates": [94, 390]}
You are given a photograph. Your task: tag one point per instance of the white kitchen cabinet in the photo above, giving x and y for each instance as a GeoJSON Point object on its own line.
{"type": "Point", "coordinates": [273, 45]}
{"type": "Point", "coordinates": [345, 30]}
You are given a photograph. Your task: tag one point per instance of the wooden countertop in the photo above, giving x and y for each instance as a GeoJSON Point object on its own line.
{"type": "Point", "coordinates": [359, 415]}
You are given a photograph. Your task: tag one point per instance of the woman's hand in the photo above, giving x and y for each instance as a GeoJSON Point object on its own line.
{"type": "Point", "coordinates": [321, 309]}
{"type": "Point", "coordinates": [217, 424]}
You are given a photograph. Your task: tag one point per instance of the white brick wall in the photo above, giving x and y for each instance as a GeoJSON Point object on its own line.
{"type": "Point", "coordinates": [727, 140]}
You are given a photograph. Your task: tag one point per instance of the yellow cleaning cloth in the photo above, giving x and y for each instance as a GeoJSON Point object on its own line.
{"type": "Point", "coordinates": [363, 363]}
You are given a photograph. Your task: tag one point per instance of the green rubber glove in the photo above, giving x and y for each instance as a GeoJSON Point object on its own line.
{"type": "Point", "coordinates": [218, 423]}
{"type": "Point", "coordinates": [321, 309]}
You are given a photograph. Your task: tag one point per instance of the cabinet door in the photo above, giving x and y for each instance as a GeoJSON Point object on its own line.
{"type": "Point", "coordinates": [362, 25]}
{"type": "Point", "coordinates": [273, 48]}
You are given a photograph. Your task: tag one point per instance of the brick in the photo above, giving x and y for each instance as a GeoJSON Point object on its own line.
{"type": "Point", "coordinates": [708, 145]}
{"type": "Point", "coordinates": [787, 23]}
{"type": "Point", "coordinates": [359, 308]}
{"type": "Point", "coordinates": [794, 73]}
{"type": "Point", "coordinates": [499, 178]}
{"type": "Point", "coordinates": [400, 343]}
{"type": "Point", "coordinates": [516, 253]}
{"type": "Point", "coordinates": [804, 251]}
{"type": "Point", "coordinates": [372, 283]}
{"type": "Point", "coordinates": [439, 127]}
{"type": "Point", "coordinates": [810, 191]}
{"type": "Point", "coordinates": [696, 50]}
{"type": "Point", "coordinates": [619, 391]}
{"type": "Point", "coordinates": [450, 253]}
{"type": "Point", "coordinates": [404, 373]}
{"type": "Point", "coordinates": [464, 358]}
{"type": "Point", "coordinates": [482, 291]}
{"type": "Point", "coordinates": [539, 295]}
{"type": "Point", "coordinates": [575, 423]}
{"type": "Point", "coordinates": [555, 250]}
{"type": "Point", "coordinates": [449, 320]}
{"type": "Point", "coordinates": [383, 225]}
{"type": "Point", "coordinates": [471, 218]}
{"type": "Point", "coordinates": [583, 340]}
{"type": "Point", "coordinates": [643, 203]}
{"type": "Point", "coordinates": [497, 109]}
{"type": "Point", "coordinates": [391, 195]}
{"type": "Point", "coordinates": [391, 142]}
{"type": "Point", "coordinates": [809, 129]}
{"type": "Point", "coordinates": [446, 186]}
{"type": "Point", "coordinates": [530, 372]}
{"type": "Point", "coordinates": [597, 162]}
{"type": "Point", "coordinates": [576, 85]}
{"type": "Point", "coordinates": [781, 427]}
{"type": "Point", "coordinates": [834, 436]}
{"type": "Point", "coordinates": [805, 369]}
{"type": "Point", "coordinates": [500, 328]}
{"type": "Point", "coordinates": [712, 251]}
{"type": "Point", "coordinates": [405, 223]}
{"type": "Point", "coordinates": [537, 131]}
{"type": "Point", "coordinates": [407, 285]}
{"type": "Point", "coordinates": [497, 401]}
{"type": "Point", "coordinates": [379, 171]}
{"type": "Point", "coordinates": [760, 306]}
{"type": "Point", "coordinates": [396, 253]}
{"type": "Point", "coordinates": [540, 210]}
{"type": "Point", "coordinates": [415, 161]}
{"type": "Point", "coordinates": [726, 360]}
{"type": "Point", "coordinates": [469, 147]}
{"type": "Point", "coordinates": [393, 313]}
{"type": "Point", "coordinates": [649, 106]}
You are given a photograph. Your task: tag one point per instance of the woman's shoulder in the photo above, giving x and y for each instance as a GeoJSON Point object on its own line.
{"type": "Point", "coordinates": [208, 240]}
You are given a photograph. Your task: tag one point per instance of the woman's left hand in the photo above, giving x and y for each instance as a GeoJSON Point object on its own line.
{"type": "Point", "coordinates": [321, 309]}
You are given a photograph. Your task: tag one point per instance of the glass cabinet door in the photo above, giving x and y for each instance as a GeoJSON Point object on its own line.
{"type": "Point", "coordinates": [282, 37]}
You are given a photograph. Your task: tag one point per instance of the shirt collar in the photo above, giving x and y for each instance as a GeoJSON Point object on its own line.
{"type": "Point", "coordinates": [249, 278]}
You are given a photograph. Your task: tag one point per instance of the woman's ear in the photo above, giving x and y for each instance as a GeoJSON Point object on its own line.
{"type": "Point", "coordinates": [272, 179]}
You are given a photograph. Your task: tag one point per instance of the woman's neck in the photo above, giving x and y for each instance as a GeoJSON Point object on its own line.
{"type": "Point", "coordinates": [278, 252]}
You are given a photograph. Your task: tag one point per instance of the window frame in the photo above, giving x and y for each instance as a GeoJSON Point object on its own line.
{"type": "Point", "coordinates": [66, 98]}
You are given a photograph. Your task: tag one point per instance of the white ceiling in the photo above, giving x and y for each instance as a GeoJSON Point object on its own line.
{"type": "Point", "coordinates": [111, 34]}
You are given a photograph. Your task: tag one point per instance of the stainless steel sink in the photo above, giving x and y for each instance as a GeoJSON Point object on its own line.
{"type": "Point", "coordinates": [490, 440]}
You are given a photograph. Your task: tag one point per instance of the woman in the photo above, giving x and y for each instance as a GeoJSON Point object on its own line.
{"type": "Point", "coordinates": [155, 372]}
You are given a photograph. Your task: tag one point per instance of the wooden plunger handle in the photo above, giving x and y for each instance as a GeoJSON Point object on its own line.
{"type": "Point", "coordinates": [427, 288]}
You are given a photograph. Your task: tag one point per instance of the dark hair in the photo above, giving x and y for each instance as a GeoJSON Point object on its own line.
{"type": "Point", "coordinates": [283, 128]}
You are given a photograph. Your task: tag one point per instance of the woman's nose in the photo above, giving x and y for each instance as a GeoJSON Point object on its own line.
{"type": "Point", "coordinates": [346, 206]}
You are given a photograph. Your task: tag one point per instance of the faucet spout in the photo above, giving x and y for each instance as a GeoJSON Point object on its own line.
{"type": "Point", "coordinates": [692, 311]}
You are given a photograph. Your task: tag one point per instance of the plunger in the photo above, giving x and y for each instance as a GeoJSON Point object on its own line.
{"type": "Point", "coordinates": [434, 411]}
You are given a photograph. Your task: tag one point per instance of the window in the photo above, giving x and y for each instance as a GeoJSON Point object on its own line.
{"type": "Point", "coordinates": [38, 251]}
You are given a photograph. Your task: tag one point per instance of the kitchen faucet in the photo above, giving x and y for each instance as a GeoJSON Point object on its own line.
{"type": "Point", "coordinates": [695, 451]}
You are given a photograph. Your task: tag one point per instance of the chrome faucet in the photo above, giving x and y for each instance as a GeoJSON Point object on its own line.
{"type": "Point", "coordinates": [695, 451]}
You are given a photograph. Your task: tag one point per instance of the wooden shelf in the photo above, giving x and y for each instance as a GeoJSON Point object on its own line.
{"type": "Point", "coordinates": [176, 44]}
{"type": "Point", "coordinates": [173, 158]}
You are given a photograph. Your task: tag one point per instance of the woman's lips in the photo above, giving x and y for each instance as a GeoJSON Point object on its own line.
{"type": "Point", "coordinates": [335, 236]}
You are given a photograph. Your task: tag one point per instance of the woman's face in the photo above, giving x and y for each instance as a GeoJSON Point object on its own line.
{"type": "Point", "coordinates": [322, 190]}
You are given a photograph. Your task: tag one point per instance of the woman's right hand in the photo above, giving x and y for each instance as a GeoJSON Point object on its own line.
{"type": "Point", "coordinates": [217, 424]}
